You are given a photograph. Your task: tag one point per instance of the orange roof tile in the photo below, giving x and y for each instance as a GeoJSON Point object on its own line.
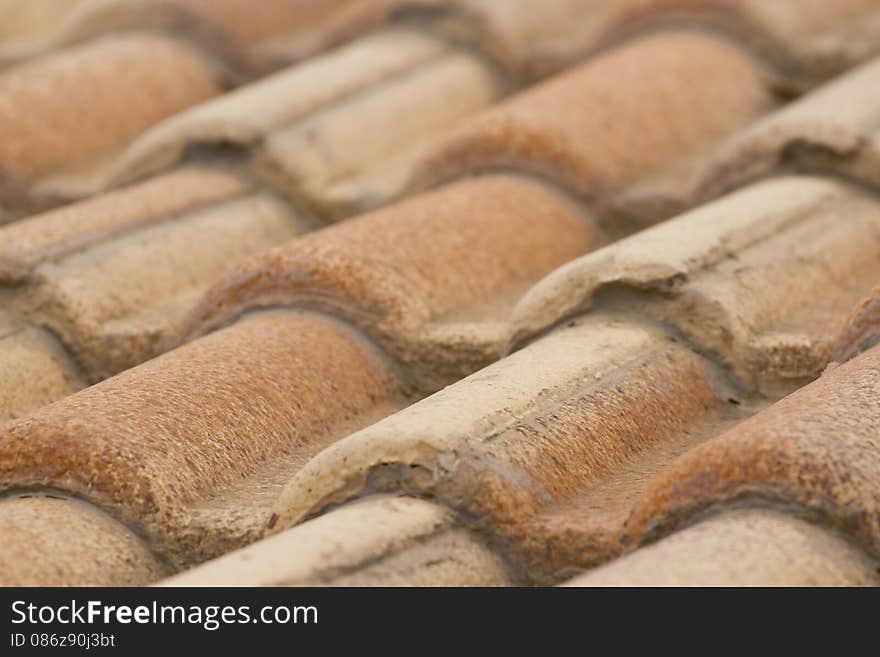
{"type": "Point", "coordinates": [566, 388]}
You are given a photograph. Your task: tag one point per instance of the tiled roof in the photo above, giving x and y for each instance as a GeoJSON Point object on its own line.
{"type": "Point", "coordinates": [250, 35]}
{"type": "Point", "coordinates": [603, 324]}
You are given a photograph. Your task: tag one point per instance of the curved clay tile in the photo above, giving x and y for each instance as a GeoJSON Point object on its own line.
{"type": "Point", "coordinates": [832, 130]}
{"type": "Point", "coordinates": [615, 123]}
{"type": "Point", "coordinates": [68, 112]}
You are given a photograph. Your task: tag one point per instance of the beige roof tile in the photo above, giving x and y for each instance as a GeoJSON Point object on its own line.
{"type": "Point", "coordinates": [19, 19]}
{"type": "Point", "coordinates": [738, 276]}
{"type": "Point", "coordinates": [115, 304]}
{"type": "Point", "coordinates": [29, 242]}
{"type": "Point", "coordinates": [540, 427]}
{"type": "Point", "coordinates": [356, 155]}
{"type": "Point", "coordinates": [835, 129]}
{"type": "Point", "coordinates": [245, 116]}
{"type": "Point", "coordinates": [246, 23]}
{"type": "Point", "coordinates": [749, 547]}
{"type": "Point", "coordinates": [381, 540]}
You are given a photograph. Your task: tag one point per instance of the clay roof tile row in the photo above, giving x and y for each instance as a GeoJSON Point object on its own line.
{"type": "Point", "coordinates": [648, 391]}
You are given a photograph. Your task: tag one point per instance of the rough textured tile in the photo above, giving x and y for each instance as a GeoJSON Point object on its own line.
{"type": "Point", "coordinates": [355, 156]}
{"type": "Point", "coordinates": [380, 541]}
{"type": "Point", "coordinates": [551, 449]}
{"type": "Point", "coordinates": [531, 431]}
{"type": "Point", "coordinates": [115, 303]}
{"type": "Point", "coordinates": [861, 329]}
{"type": "Point", "coordinates": [245, 116]}
{"type": "Point", "coordinates": [431, 279]}
{"type": "Point", "coordinates": [835, 129]}
{"type": "Point", "coordinates": [96, 97]}
{"type": "Point", "coordinates": [187, 449]}
{"type": "Point", "coordinates": [742, 548]}
{"type": "Point", "coordinates": [615, 131]}
{"type": "Point", "coordinates": [816, 453]}
{"type": "Point", "coordinates": [739, 276]}
{"type": "Point", "coordinates": [28, 242]}
{"type": "Point", "coordinates": [34, 370]}
{"type": "Point", "coordinates": [55, 541]}
{"type": "Point", "coordinates": [454, 558]}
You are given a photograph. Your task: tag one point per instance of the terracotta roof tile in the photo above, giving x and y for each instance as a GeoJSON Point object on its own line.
{"type": "Point", "coordinates": [431, 278]}
{"type": "Point", "coordinates": [165, 471]}
{"type": "Point", "coordinates": [813, 455]}
{"type": "Point", "coordinates": [96, 98]}
{"type": "Point", "coordinates": [804, 41]}
{"type": "Point", "coordinates": [641, 404]}
{"type": "Point", "coordinates": [50, 528]}
{"type": "Point", "coordinates": [749, 547]}
{"type": "Point", "coordinates": [34, 370]}
{"type": "Point", "coordinates": [634, 118]}
{"type": "Point", "coordinates": [815, 450]}
{"type": "Point", "coordinates": [398, 541]}
{"type": "Point", "coordinates": [613, 400]}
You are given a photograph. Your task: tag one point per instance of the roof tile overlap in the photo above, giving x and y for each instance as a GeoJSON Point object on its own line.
{"type": "Point", "coordinates": [610, 130]}
{"type": "Point", "coordinates": [95, 98]}
{"type": "Point", "coordinates": [741, 285]}
{"type": "Point", "coordinates": [29, 242]}
{"type": "Point", "coordinates": [247, 115]}
{"type": "Point", "coordinates": [159, 444]}
{"type": "Point", "coordinates": [833, 130]}
{"type": "Point", "coordinates": [816, 449]}
{"type": "Point", "coordinates": [400, 541]}
{"type": "Point", "coordinates": [640, 409]}
{"type": "Point", "coordinates": [117, 304]}
{"type": "Point", "coordinates": [441, 267]}
{"type": "Point", "coordinates": [503, 454]}
{"type": "Point", "coordinates": [101, 549]}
